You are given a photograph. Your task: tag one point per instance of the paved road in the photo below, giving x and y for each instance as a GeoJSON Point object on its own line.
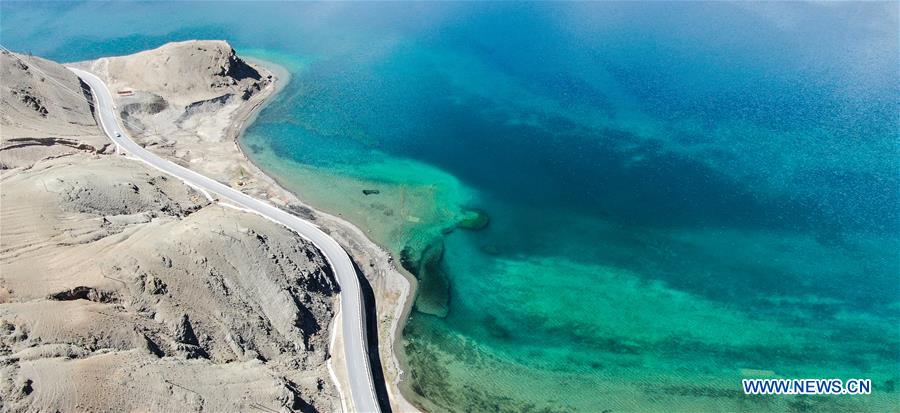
{"type": "Point", "coordinates": [362, 389]}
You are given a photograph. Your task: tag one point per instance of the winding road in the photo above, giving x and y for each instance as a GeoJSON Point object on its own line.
{"type": "Point", "coordinates": [356, 356]}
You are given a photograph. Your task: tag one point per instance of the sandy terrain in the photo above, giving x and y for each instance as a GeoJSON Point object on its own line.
{"type": "Point", "coordinates": [123, 289]}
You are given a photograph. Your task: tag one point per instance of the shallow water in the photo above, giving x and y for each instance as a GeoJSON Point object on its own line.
{"type": "Point", "coordinates": [680, 196]}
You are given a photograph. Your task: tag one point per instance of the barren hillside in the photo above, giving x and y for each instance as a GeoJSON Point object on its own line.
{"type": "Point", "coordinates": [124, 289]}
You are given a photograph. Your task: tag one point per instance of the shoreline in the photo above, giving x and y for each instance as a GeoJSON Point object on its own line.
{"type": "Point", "coordinates": [383, 259]}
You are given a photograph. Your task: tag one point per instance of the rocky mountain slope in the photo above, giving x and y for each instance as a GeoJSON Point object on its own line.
{"type": "Point", "coordinates": [124, 289]}
{"type": "Point", "coordinates": [45, 112]}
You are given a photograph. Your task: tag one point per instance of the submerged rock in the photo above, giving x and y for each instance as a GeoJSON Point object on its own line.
{"type": "Point", "coordinates": [433, 295]}
{"type": "Point", "coordinates": [489, 249]}
{"type": "Point", "coordinates": [475, 220]}
{"type": "Point", "coordinates": [407, 261]}
{"type": "Point", "coordinates": [427, 265]}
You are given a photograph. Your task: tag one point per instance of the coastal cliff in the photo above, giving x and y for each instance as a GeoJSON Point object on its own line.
{"type": "Point", "coordinates": [122, 288]}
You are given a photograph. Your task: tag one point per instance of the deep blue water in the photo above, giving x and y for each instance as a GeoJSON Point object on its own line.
{"type": "Point", "coordinates": [681, 195]}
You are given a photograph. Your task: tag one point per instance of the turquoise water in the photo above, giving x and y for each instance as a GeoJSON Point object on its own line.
{"type": "Point", "coordinates": [679, 195]}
